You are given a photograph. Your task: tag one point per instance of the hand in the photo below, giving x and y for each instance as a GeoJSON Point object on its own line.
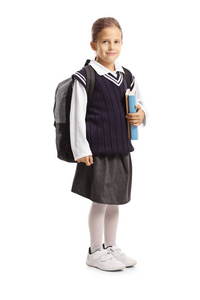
{"type": "Point", "coordinates": [136, 118]}
{"type": "Point", "coordinates": [88, 160]}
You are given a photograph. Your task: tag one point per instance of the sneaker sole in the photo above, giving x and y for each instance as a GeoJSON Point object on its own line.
{"type": "Point", "coordinates": [109, 270]}
{"type": "Point", "coordinates": [129, 266]}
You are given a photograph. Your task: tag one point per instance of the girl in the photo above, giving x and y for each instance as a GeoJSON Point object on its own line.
{"type": "Point", "coordinates": [101, 146]}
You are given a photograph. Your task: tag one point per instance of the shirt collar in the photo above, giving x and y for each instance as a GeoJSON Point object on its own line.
{"type": "Point", "coordinates": [101, 70]}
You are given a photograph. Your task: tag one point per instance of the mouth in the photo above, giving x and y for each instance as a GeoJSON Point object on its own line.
{"type": "Point", "coordinates": [110, 53]}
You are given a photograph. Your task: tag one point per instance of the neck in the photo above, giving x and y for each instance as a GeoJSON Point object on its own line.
{"type": "Point", "coordinates": [109, 66]}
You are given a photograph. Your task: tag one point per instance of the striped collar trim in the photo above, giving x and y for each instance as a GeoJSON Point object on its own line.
{"type": "Point", "coordinates": [116, 81]}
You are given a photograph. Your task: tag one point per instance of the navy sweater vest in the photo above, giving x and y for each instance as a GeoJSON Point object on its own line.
{"type": "Point", "coordinates": [106, 125]}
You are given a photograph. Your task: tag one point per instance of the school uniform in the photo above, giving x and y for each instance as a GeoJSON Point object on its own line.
{"type": "Point", "coordinates": [100, 129]}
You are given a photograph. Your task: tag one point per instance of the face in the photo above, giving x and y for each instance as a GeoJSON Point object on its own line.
{"type": "Point", "coordinates": [108, 46]}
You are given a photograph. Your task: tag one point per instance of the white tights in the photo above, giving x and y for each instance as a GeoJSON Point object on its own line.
{"type": "Point", "coordinates": [103, 217]}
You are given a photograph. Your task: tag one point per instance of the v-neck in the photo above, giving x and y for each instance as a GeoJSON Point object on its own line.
{"type": "Point", "coordinates": [116, 80]}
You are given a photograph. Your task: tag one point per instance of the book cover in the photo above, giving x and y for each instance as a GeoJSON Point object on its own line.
{"type": "Point", "coordinates": [130, 108]}
{"type": "Point", "coordinates": [127, 111]}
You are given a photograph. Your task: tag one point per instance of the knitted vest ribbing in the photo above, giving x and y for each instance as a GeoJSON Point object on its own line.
{"type": "Point", "coordinates": [106, 125]}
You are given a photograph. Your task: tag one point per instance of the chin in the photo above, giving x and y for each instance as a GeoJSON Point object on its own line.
{"type": "Point", "coordinates": [111, 59]}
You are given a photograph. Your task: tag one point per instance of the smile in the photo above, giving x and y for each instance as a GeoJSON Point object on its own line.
{"type": "Point", "coordinates": [110, 53]}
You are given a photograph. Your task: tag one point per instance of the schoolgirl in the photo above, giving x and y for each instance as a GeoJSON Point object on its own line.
{"type": "Point", "coordinates": [100, 144]}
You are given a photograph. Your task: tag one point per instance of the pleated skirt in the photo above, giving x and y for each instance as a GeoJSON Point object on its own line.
{"type": "Point", "coordinates": [107, 181]}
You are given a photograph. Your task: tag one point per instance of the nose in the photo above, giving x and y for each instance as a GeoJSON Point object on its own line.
{"type": "Point", "coordinates": [111, 46]}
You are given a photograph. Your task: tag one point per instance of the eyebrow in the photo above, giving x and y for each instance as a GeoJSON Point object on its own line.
{"type": "Point", "coordinates": [116, 39]}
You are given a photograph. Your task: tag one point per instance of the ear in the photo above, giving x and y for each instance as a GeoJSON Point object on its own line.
{"type": "Point", "coordinates": [93, 46]}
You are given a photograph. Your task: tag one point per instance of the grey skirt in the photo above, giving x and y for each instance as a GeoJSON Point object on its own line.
{"type": "Point", "coordinates": [107, 181]}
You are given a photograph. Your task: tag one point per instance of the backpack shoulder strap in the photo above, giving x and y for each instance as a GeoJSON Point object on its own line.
{"type": "Point", "coordinates": [130, 79]}
{"type": "Point", "coordinates": [90, 81]}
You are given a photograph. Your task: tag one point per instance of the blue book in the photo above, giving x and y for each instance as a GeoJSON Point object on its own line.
{"type": "Point", "coordinates": [130, 104]}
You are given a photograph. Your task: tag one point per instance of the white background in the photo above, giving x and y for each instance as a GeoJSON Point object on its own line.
{"type": "Point", "coordinates": [44, 232]}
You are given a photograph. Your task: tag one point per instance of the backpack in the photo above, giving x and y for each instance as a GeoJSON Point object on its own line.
{"type": "Point", "coordinates": [62, 107]}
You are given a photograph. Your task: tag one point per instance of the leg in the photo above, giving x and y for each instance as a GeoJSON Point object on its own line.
{"type": "Point", "coordinates": [96, 224]}
{"type": "Point", "coordinates": [110, 224]}
{"type": "Point", "coordinates": [101, 259]}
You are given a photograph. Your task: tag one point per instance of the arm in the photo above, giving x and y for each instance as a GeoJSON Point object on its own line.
{"type": "Point", "coordinates": [79, 144]}
{"type": "Point", "coordinates": [140, 117]}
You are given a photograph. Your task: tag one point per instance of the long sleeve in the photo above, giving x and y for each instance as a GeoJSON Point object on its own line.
{"type": "Point", "coordinates": [79, 144]}
{"type": "Point", "coordinates": [139, 101]}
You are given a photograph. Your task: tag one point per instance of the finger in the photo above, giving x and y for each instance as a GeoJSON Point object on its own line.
{"type": "Point", "coordinates": [87, 161]}
{"type": "Point", "coordinates": [91, 159]}
{"type": "Point", "coordinates": [138, 106]}
{"type": "Point", "coordinates": [136, 124]}
{"type": "Point", "coordinates": [135, 117]}
{"type": "Point", "coordinates": [132, 115]}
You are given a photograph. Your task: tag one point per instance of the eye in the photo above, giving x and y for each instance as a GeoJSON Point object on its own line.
{"type": "Point", "coordinates": [104, 42]}
{"type": "Point", "coordinates": [117, 42]}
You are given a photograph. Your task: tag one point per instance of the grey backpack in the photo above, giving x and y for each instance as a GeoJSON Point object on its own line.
{"type": "Point", "coordinates": [61, 112]}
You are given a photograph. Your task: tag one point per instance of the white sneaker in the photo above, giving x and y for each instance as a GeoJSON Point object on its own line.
{"type": "Point", "coordinates": [122, 257]}
{"type": "Point", "coordinates": [103, 260]}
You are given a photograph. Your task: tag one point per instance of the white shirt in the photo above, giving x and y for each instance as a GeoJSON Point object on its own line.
{"type": "Point", "coordinates": [79, 144]}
